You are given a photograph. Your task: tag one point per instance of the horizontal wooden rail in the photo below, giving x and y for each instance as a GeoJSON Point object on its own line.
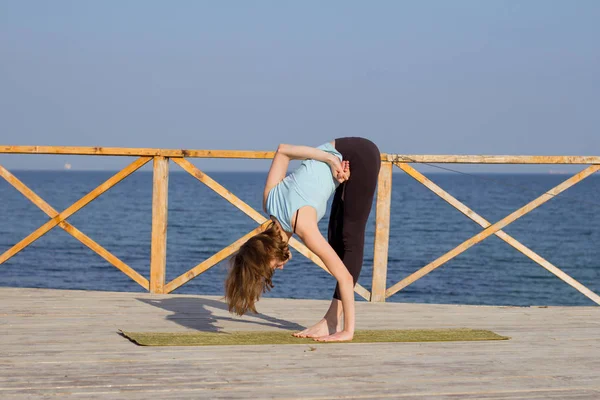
{"type": "Point", "coordinates": [380, 291]}
{"type": "Point", "coordinates": [483, 159]}
{"type": "Point", "coordinates": [133, 151]}
{"type": "Point", "coordinates": [250, 154]}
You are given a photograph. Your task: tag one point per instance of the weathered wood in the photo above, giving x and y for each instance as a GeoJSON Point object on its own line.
{"type": "Point", "coordinates": [191, 153]}
{"type": "Point", "coordinates": [158, 256]}
{"type": "Point", "coordinates": [105, 254]}
{"type": "Point", "coordinates": [122, 151]}
{"type": "Point", "coordinates": [64, 344]}
{"type": "Point", "coordinates": [76, 233]}
{"type": "Point", "coordinates": [501, 234]}
{"type": "Point", "coordinates": [78, 205]}
{"type": "Point", "coordinates": [489, 159]}
{"type": "Point", "coordinates": [219, 189]}
{"type": "Point", "coordinates": [382, 232]}
{"type": "Point", "coordinates": [27, 192]}
{"type": "Point", "coordinates": [492, 229]}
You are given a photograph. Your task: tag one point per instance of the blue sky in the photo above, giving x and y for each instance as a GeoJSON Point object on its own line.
{"type": "Point", "coordinates": [419, 77]}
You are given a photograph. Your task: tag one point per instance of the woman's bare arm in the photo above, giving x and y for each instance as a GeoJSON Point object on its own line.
{"type": "Point", "coordinates": [287, 152]}
{"type": "Point", "coordinates": [277, 172]}
{"type": "Point", "coordinates": [298, 152]}
{"type": "Point", "coordinates": [308, 231]}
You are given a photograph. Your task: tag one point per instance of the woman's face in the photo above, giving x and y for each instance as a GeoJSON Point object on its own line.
{"type": "Point", "coordinates": [278, 264]}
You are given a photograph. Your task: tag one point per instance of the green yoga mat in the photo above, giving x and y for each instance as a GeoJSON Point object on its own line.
{"type": "Point", "coordinates": [285, 337]}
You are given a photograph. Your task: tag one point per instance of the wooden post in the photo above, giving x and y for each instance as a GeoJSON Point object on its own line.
{"type": "Point", "coordinates": [158, 257]}
{"type": "Point", "coordinates": [382, 232]}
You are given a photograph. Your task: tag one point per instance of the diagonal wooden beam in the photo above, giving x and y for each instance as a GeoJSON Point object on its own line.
{"type": "Point", "coordinates": [232, 248]}
{"type": "Point", "coordinates": [213, 260]}
{"type": "Point", "coordinates": [493, 229]}
{"type": "Point", "coordinates": [76, 233]}
{"type": "Point", "coordinates": [219, 189]}
{"type": "Point", "coordinates": [501, 234]}
{"type": "Point", "coordinates": [252, 213]}
{"type": "Point", "coordinates": [42, 230]}
{"type": "Point", "coordinates": [305, 251]}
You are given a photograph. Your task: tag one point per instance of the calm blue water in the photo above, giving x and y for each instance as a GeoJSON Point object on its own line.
{"type": "Point", "coordinates": [566, 231]}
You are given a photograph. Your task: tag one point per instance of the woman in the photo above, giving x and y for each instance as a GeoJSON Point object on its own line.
{"type": "Point", "coordinates": [295, 204]}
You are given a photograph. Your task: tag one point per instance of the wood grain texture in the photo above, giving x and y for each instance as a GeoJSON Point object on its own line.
{"type": "Point", "coordinates": [140, 151]}
{"type": "Point", "coordinates": [220, 189]}
{"type": "Point", "coordinates": [160, 209]}
{"type": "Point", "coordinates": [249, 154]}
{"type": "Point", "coordinates": [63, 343]}
{"type": "Point", "coordinates": [135, 151]}
{"type": "Point", "coordinates": [489, 159]}
{"type": "Point", "coordinates": [382, 231]}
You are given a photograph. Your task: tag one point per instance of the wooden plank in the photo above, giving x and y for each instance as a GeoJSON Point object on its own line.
{"type": "Point", "coordinates": [105, 254]}
{"type": "Point", "coordinates": [76, 233]}
{"type": "Point", "coordinates": [501, 234]}
{"type": "Point", "coordinates": [160, 209]}
{"type": "Point", "coordinates": [219, 189]}
{"type": "Point", "coordinates": [244, 154]}
{"type": "Point", "coordinates": [74, 208]}
{"type": "Point", "coordinates": [382, 232]}
{"type": "Point", "coordinates": [492, 229]}
{"type": "Point", "coordinates": [490, 159]}
{"type": "Point", "coordinates": [253, 154]}
{"type": "Point", "coordinates": [122, 151]}
{"type": "Point", "coordinates": [27, 192]}
{"type": "Point", "coordinates": [552, 354]}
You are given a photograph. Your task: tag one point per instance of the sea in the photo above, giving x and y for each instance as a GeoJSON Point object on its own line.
{"type": "Point", "coordinates": [565, 231]}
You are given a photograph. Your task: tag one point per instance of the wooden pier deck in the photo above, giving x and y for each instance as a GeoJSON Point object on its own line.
{"type": "Point", "coordinates": [64, 343]}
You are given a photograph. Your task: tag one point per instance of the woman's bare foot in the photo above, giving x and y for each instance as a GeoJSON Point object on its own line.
{"type": "Point", "coordinates": [321, 328]}
{"type": "Point", "coordinates": [342, 336]}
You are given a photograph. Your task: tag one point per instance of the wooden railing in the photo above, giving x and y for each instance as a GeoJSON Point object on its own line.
{"type": "Point", "coordinates": [379, 291]}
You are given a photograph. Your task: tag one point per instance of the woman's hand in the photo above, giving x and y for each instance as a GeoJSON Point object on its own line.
{"type": "Point", "coordinates": [339, 169]}
{"type": "Point", "coordinates": [343, 336]}
{"type": "Point", "coordinates": [345, 171]}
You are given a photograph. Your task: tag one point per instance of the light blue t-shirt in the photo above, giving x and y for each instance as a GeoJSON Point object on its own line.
{"type": "Point", "coordinates": [311, 184]}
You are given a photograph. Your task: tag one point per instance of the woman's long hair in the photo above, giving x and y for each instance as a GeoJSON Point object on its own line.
{"type": "Point", "coordinates": [250, 270]}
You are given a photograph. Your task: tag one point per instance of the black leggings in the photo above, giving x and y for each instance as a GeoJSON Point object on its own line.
{"type": "Point", "coordinates": [348, 219]}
